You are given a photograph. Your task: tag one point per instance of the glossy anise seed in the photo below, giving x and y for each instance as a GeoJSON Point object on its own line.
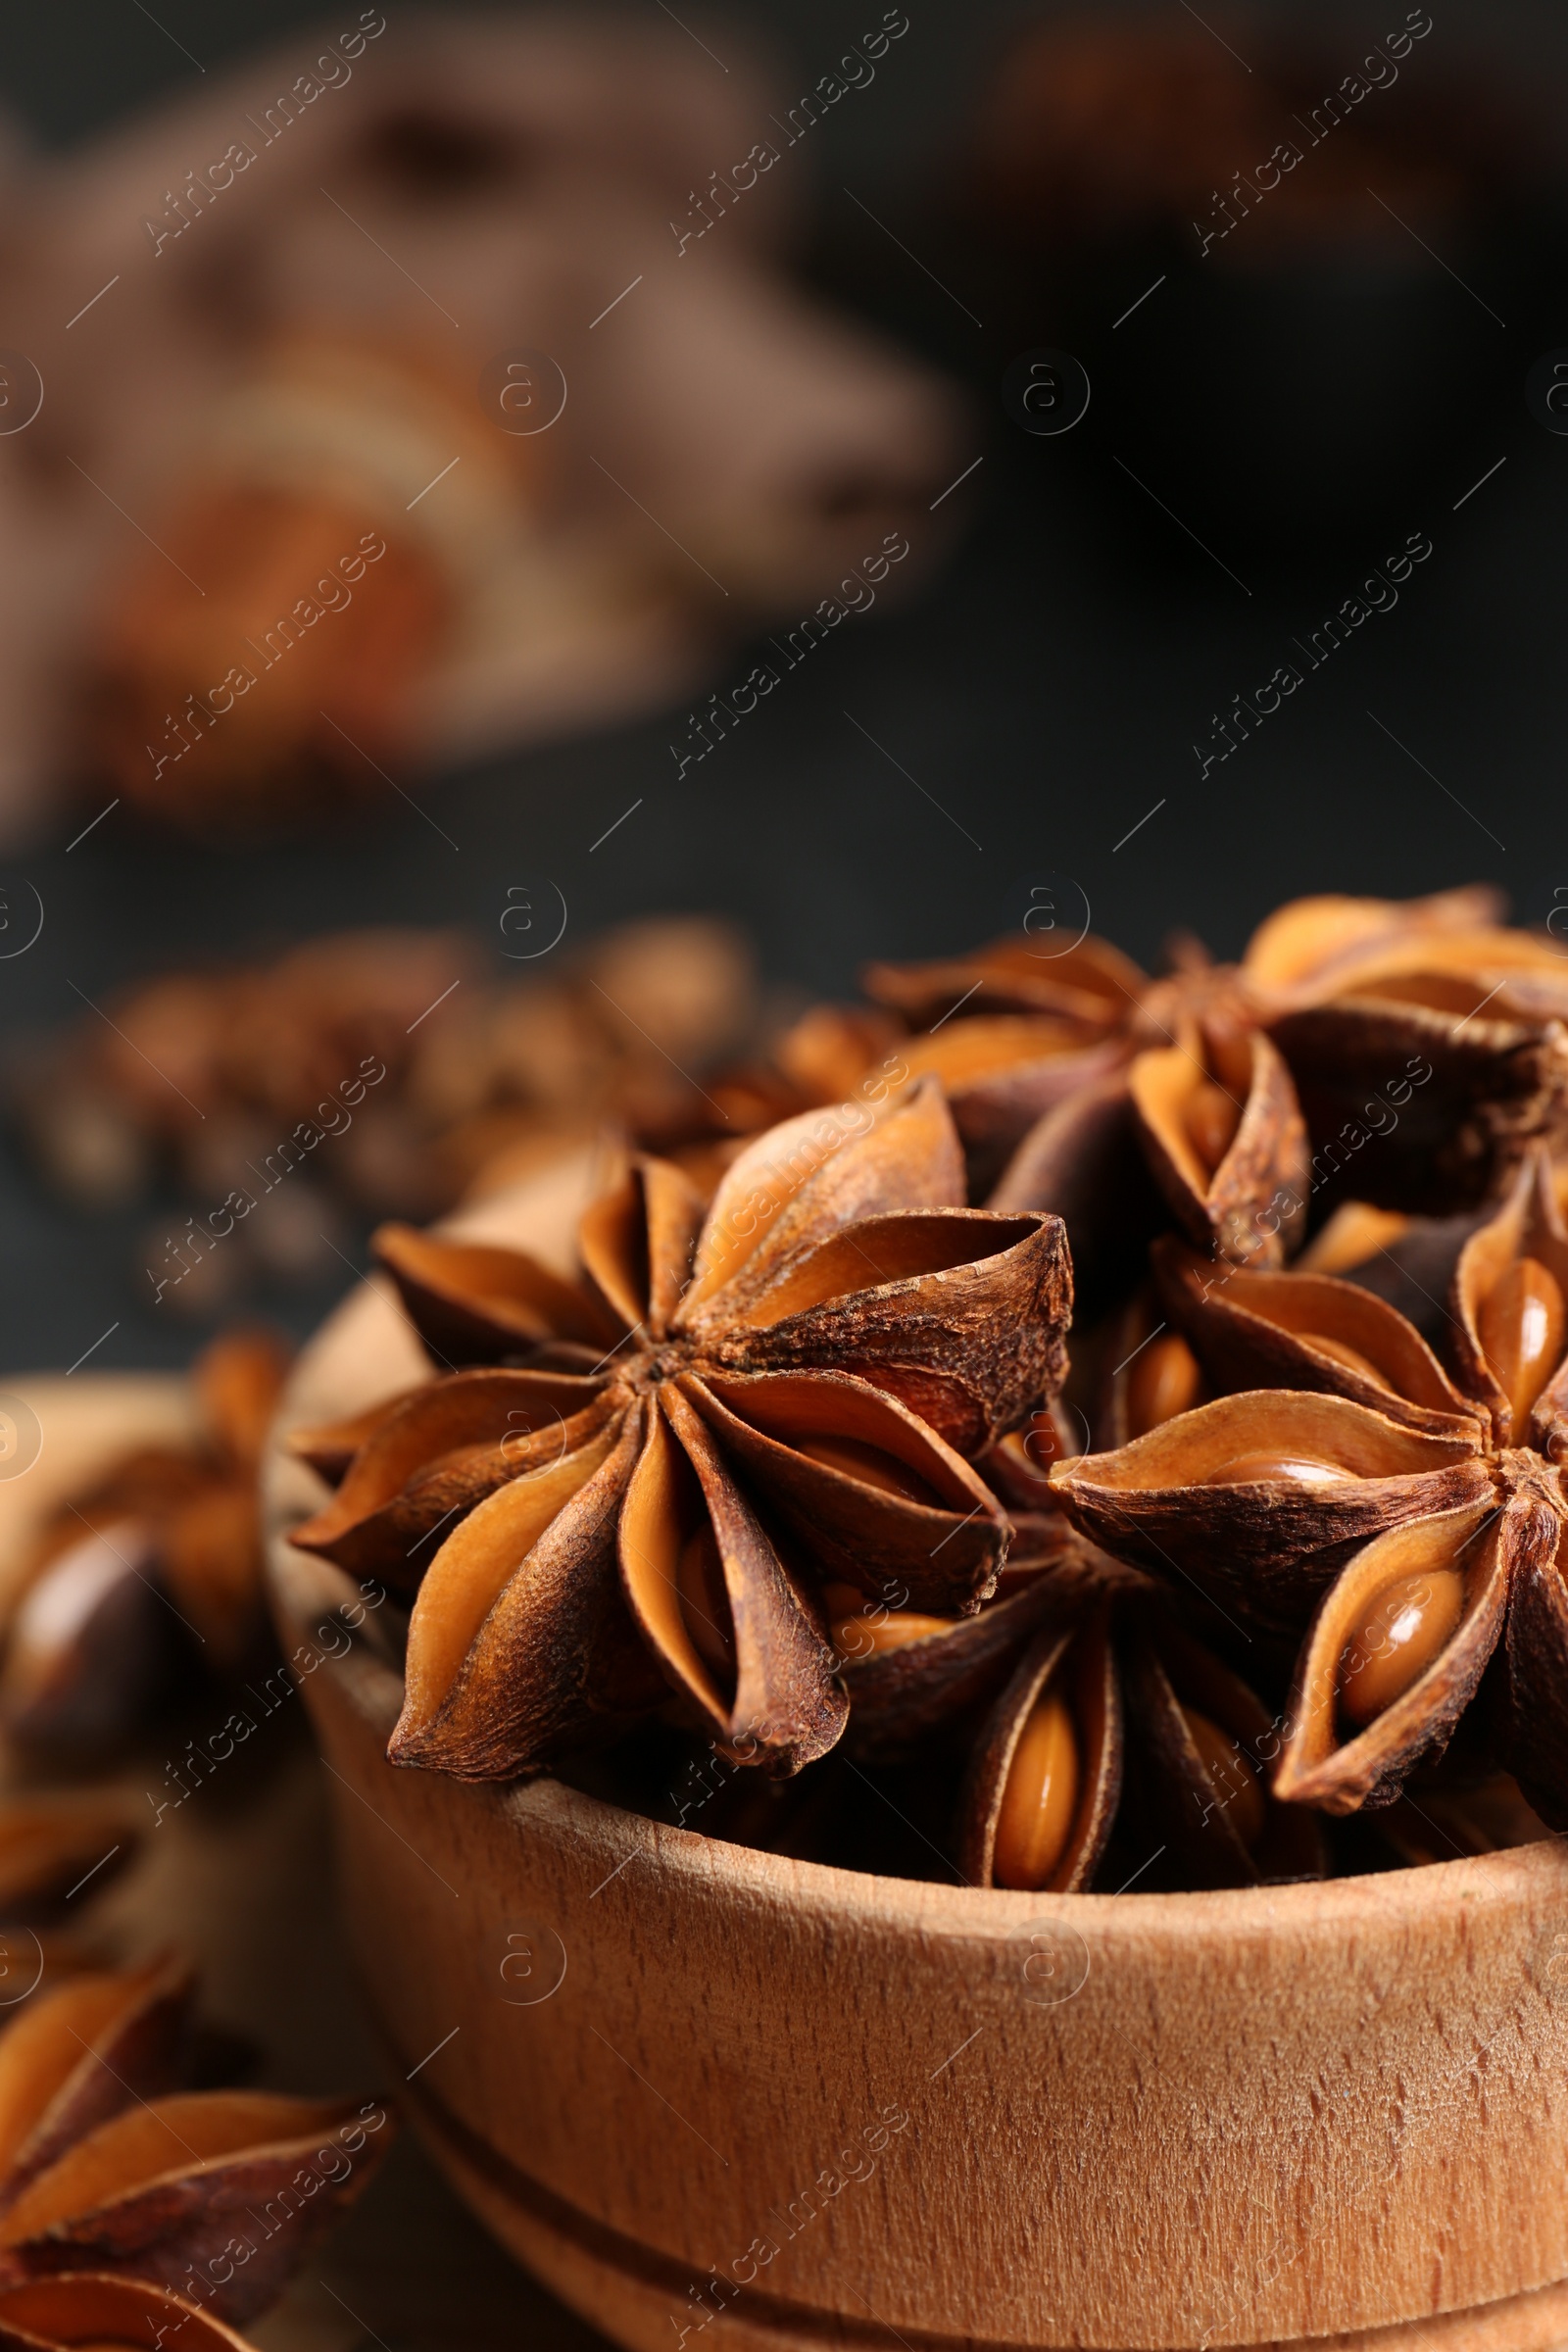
{"type": "Point", "coordinates": [1040, 1800]}
{"type": "Point", "coordinates": [1250, 1469]}
{"type": "Point", "coordinates": [1165, 1379]}
{"type": "Point", "coordinates": [1521, 1326]}
{"type": "Point", "coordinates": [871, 1465]}
{"type": "Point", "coordinates": [1233, 1777]}
{"type": "Point", "coordinates": [1350, 1357]}
{"type": "Point", "coordinates": [1211, 1119]}
{"type": "Point", "coordinates": [1404, 1630]}
{"type": "Point", "coordinates": [870, 1633]}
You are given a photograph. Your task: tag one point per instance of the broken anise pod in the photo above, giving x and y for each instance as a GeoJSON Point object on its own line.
{"type": "Point", "coordinates": [107, 2167]}
{"type": "Point", "coordinates": [167, 1539]}
{"type": "Point", "coordinates": [1422, 1517]}
{"type": "Point", "coordinates": [1086, 1709]}
{"type": "Point", "coordinates": [794, 1381]}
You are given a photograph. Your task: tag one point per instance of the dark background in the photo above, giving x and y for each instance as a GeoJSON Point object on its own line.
{"type": "Point", "coordinates": [1046, 690]}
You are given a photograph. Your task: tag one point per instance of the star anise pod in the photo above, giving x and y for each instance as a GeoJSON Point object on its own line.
{"type": "Point", "coordinates": [1357, 993]}
{"type": "Point", "coordinates": [103, 2313]}
{"type": "Point", "coordinates": [1424, 1029]}
{"type": "Point", "coordinates": [1415, 1514]}
{"type": "Point", "coordinates": [1085, 1707]}
{"type": "Point", "coordinates": [107, 2167]}
{"type": "Point", "coordinates": [167, 1537]}
{"type": "Point", "coordinates": [1137, 1103]}
{"type": "Point", "coordinates": [791, 1385]}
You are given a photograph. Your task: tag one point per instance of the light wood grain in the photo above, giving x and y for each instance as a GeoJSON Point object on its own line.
{"type": "Point", "coordinates": [1262, 2116]}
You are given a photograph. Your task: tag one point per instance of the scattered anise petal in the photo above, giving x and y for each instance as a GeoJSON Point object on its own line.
{"type": "Point", "coordinates": [1309, 1331]}
{"type": "Point", "coordinates": [1398, 1652]}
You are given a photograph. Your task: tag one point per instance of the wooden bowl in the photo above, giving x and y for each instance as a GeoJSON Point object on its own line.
{"type": "Point", "coordinates": [703, 2091]}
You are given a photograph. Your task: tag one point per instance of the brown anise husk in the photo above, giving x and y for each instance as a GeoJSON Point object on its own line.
{"type": "Point", "coordinates": [1420, 1553]}
{"type": "Point", "coordinates": [167, 1539]}
{"type": "Point", "coordinates": [101, 2313]}
{"type": "Point", "coordinates": [1269, 1330]}
{"type": "Point", "coordinates": [798, 1373]}
{"type": "Point", "coordinates": [1360, 994]}
{"type": "Point", "coordinates": [49, 1843]}
{"type": "Point", "coordinates": [107, 2167]}
{"type": "Point", "coordinates": [1423, 1029]}
{"type": "Point", "coordinates": [1078, 1630]}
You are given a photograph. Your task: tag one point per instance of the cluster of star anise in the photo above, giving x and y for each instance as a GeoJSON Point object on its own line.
{"type": "Point", "coordinates": [795, 1466]}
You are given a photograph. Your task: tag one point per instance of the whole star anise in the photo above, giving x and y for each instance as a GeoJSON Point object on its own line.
{"type": "Point", "coordinates": [153, 1565]}
{"type": "Point", "coordinates": [1416, 1515]}
{"type": "Point", "coordinates": [108, 2167]}
{"type": "Point", "coordinates": [787, 1388]}
{"type": "Point", "coordinates": [1085, 1709]}
{"type": "Point", "coordinates": [1425, 1023]}
{"type": "Point", "coordinates": [102, 2312]}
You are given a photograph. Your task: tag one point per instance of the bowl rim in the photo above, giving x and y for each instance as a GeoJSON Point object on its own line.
{"type": "Point", "coordinates": [1406, 1896]}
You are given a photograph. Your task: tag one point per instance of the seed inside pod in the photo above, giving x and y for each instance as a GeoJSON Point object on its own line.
{"type": "Point", "coordinates": [1350, 1357]}
{"type": "Point", "coordinates": [1211, 1119]}
{"type": "Point", "coordinates": [1521, 1327]}
{"type": "Point", "coordinates": [704, 1602]}
{"type": "Point", "coordinates": [871, 1466]}
{"type": "Point", "coordinates": [1041, 1798]}
{"type": "Point", "coordinates": [1245, 1469]}
{"type": "Point", "coordinates": [1233, 1777]}
{"type": "Point", "coordinates": [1165, 1379]}
{"type": "Point", "coordinates": [1403, 1629]}
{"type": "Point", "coordinates": [867, 1633]}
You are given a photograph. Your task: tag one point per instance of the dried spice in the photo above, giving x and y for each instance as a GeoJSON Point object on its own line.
{"type": "Point", "coordinates": [1414, 1514]}
{"type": "Point", "coordinates": [1424, 1028]}
{"type": "Point", "coordinates": [108, 2167]}
{"type": "Point", "coordinates": [102, 2312]}
{"type": "Point", "coordinates": [382, 1068]}
{"type": "Point", "coordinates": [153, 1567]}
{"type": "Point", "coordinates": [48, 1846]}
{"type": "Point", "coordinates": [792, 1385]}
{"type": "Point", "coordinates": [1092, 1722]}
